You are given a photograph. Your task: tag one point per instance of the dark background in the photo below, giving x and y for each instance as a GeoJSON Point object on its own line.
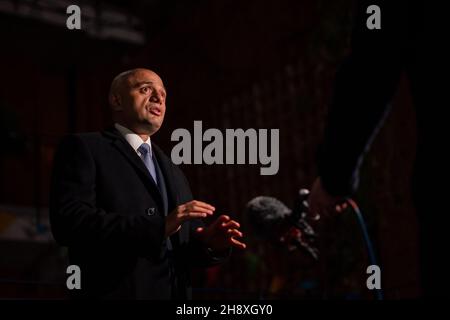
{"type": "Point", "coordinates": [231, 64]}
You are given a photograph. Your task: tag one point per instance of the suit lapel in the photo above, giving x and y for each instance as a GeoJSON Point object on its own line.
{"type": "Point", "coordinates": [127, 151]}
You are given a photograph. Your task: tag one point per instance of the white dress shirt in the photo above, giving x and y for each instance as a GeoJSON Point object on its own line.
{"type": "Point", "coordinates": [133, 139]}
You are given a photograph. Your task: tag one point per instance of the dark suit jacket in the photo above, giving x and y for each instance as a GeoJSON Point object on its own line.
{"type": "Point", "coordinates": [105, 207]}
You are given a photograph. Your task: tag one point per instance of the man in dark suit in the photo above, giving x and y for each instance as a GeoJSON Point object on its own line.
{"type": "Point", "coordinates": [410, 42]}
{"type": "Point", "coordinates": [125, 212]}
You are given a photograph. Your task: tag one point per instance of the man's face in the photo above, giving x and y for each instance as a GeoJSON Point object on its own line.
{"type": "Point", "coordinates": [143, 100]}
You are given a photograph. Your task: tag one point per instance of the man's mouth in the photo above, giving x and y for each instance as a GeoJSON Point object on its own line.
{"type": "Point", "coordinates": [156, 111]}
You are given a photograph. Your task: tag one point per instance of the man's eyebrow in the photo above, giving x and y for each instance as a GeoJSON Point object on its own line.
{"type": "Point", "coordinates": [138, 84]}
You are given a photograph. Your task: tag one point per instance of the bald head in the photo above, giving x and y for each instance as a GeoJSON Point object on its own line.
{"type": "Point", "coordinates": [137, 98]}
{"type": "Point", "coordinates": [125, 79]}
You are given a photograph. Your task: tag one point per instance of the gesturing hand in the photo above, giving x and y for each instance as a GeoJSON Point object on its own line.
{"type": "Point", "coordinates": [221, 234]}
{"type": "Point", "coordinates": [187, 211]}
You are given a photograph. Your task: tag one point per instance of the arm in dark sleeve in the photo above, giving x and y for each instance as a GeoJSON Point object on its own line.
{"type": "Point", "coordinates": [364, 85]}
{"type": "Point", "coordinates": [75, 218]}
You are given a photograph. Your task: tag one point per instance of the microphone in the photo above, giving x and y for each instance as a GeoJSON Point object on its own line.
{"type": "Point", "coordinates": [271, 219]}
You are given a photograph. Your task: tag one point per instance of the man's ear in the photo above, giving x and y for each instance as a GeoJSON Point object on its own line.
{"type": "Point", "coordinates": [115, 102]}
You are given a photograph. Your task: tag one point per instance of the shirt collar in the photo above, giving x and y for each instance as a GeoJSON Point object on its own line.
{"type": "Point", "coordinates": [132, 138]}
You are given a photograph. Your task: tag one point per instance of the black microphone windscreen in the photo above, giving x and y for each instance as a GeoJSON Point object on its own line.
{"type": "Point", "coordinates": [265, 213]}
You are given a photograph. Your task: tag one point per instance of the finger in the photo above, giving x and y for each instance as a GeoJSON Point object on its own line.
{"type": "Point", "coordinates": [193, 215]}
{"type": "Point", "coordinates": [194, 207]}
{"type": "Point", "coordinates": [234, 233]}
{"type": "Point", "coordinates": [202, 204]}
{"type": "Point", "coordinates": [237, 244]}
{"type": "Point", "coordinates": [198, 209]}
{"type": "Point", "coordinates": [223, 218]}
{"type": "Point", "coordinates": [200, 230]}
{"type": "Point", "coordinates": [231, 224]}
{"type": "Point", "coordinates": [220, 220]}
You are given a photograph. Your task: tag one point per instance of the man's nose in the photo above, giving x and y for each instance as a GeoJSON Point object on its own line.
{"type": "Point", "coordinates": [156, 98]}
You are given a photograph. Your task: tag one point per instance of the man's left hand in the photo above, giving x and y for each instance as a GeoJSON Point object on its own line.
{"type": "Point", "coordinates": [221, 234]}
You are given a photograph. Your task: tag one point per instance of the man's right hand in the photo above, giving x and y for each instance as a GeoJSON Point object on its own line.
{"type": "Point", "coordinates": [190, 210]}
